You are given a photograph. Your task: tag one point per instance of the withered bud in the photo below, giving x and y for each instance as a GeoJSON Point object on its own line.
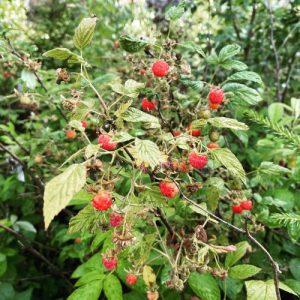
{"type": "Point", "coordinates": [62, 75]}
{"type": "Point", "coordinates": [200, 234]}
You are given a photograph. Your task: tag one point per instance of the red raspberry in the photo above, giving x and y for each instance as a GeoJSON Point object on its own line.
{"type": "Point", "coordinates": [193, 132]}
{"type": "Point", "coordinates": [115, 219]}
{"type": "Point", "coordinates": [142, 71]}
{"type": "Point", "coordinates": [183, 167]}
{"type": "Point", "coordinates": [168, 189]}
{"type": "Point", "coordinates": [102, 201]}
{"type": "Point", "coordinates": [70, 134]}
{"type": "Point", "coordinates": [109, 263]}
{"type": "Point", "coordinates": [237, 209]}
{"type": "Point", "coordinates": [246, 205]}
{"type": "Point", "coordinates": [216, 96]}
{"type": "Point", "coordinates": [84, 124]}
{"type": "Point", "coordinates": [198, 161]}
{"type": "Point", "coordinates": [7, 74]}
{"type": "Point", "coordinates": [213, 146]}
{"type": "Point", "coordinates": [160, 68]}
{"type": "Point", "coordinates": [176, 133]}
{"type": "Point", "coordinates": [148, 105]}
{"type": "Point", "coordinates": [213, 106]}
{"type": "Point", "coordinates": [131, 279]}
{"type": "Point", "coordinates": [104, 140]}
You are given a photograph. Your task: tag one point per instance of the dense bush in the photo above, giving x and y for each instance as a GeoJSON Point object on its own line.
{"type": "Point", "coordinates": [149, 150]}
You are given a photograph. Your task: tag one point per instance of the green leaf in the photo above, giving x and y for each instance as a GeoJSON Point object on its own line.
{"type": "Point", "coordinates": [147, 152]}
{"type": "Point", "coordinates": [89, 291]}
{"type": "Point", "coordinates": [130, 89]}
{"type": "Point", "coordinates": [233, 64]}
{"type": "Point", "coordinates": [91, 150]}
{"type": "Point", "coordinates": [294, 285]}
{"type": "Point", "coordinates": [196, 85]}
{"type": "Point", "coordinates": [212, 195]}
{"type": "Point", "coordinates": [233, 257]}
{"type": "Point", "coordinates": [275, 112]}
{"type": "Point", "coordinates": [222, 122]}
{"type": "Point", "coordinates": [64, 54]}
{"type": "Point", "coordinates": [226, 158]}
{"type": "Point", "coordinates": [122, 136]}
{"type": "Point", "coordinates": [240, 92]}
{"type": "Point", "coordinates": [246, 76]}
{"type": "Point", "coordinates": [131, 44]}
{"type": "Point", "coordinates": [60, 190]}
{"type": "Point", "coordinates": [84, 32]}
{"type": "Point", "coordinates": [112, 288]}
{"type": "Point", "coordinates": [29, 78]}
{"type": "Point", "coordinates": [3, 264]}
{"type": "Point", "coordinates": [228, 52]}
{"type": "Point", "coordinates": [243, 271]}
{"type": "Point", "coordinates": [269, 168]}
{"type": "Point", "coordinates": [193, 47]}
{"type": "Point", "coordinates": [89, 277]}
{"type": "Point", "coordinates": [175, 12]}
{"type": "Point", "coordinates": [204, 286]}
{"type": "Point", "coordinates": [135, 115]}
{"type": "Point", "coordinates": [199, 123]}
{"type": "Point", "coordinates": [294, 267]}
{"type": "Point", "coordinates": [77, 125]}
{"type": "Point", "coordinates": [264, 290]}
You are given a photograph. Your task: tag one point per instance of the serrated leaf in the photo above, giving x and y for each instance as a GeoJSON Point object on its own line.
{"type": "Point", "coordinates": [200, 123]}
{"type": "Point", "coordinates": [226, 158]}
{"type": "Point", "coordinates": [89, 277]}
{"type": "Point", "coordinates": [245, 76]}
{"type": "Point", "coordinates": [233, 257]}
{"type": "Point", "coordinates": [112, 288]}
{"type": "Point", "coordinates": [130, 89]}
{"type": "Point", "coordinates": [89, 291]}
{"type": "Point", "coordinates": [243, 271]}
{"type": "Point", "coordinates": [204, 286]}
{"type": "Point", "coordinates": [175, 12]}
{"type": "Point", "coordinates": [147, 152]}
{"type": "Point", "coordinates": [196, 85]}
{"type": "Point", "coordinates": [84, 32]}
{"type": "Point", "coordinates": [29, 78]}
{"type": "Point", "coordinates": [77, 125]}
{"type": "Point", "coordinates": [64, 54]}
{"type": "Point", "coordinates": [240, 92]}
{"type": "Point", "coordinates": [123, 108]}
{"type": "Point", "coordinates": [131, 44]}
{"type": "Point", "coordinates": [60, 190]}
{"type": "Point", "coordinates": [122, 136]}
{"type": "Point", "coordinates": [194, 47]}
{"type": "Point", "coordinates": [135, 115]}
{"type": "Point", "coordinates": [269, 168]}
{"type": "Point", "coordinates": [91, 150]}
{"type": "Point", "coordinates": [233, 64]}
{"type": "Point", "coordinates": [149, 276]}
{"type": "Point", "coordinates": [3, 264]}
{"type": "Point", "coordinates": [228, 52]}
{"type": "Point", "coordinates": [222, 122]}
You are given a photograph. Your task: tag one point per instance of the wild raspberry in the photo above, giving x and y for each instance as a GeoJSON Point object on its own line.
{"type": "Point", "coordinates": [160, 68]}
{"type": "Point", "coordinates": [168, 189]}
{"type": "Point", "coordinates": [110, 263]}
{"type": "Point", "coordinates": [246, 205]}
{"type": "Point", "coordinates": [131, 279]}
{"type": "Point", "coordinates": [216, 96]}
{"type": "Point", "coordinates": [70, 134]}
{"type": "Point", "coordinates": [102, 201]}
{"type": "Point", "coordinates": [205, 114]}
{"type": "Point", "coordinates": [213, 106]}
{"type": "Point", "coordinates": [198, 161]}
{"type": "Point", "coordinates": [213, 146]}
{"type": "Point", "coordinates": [183, 167]}
{"type": "Point", "coordinates": [176, 133]}
{"type": "Point", "coordinates": [105, 142]}
{"type": "Point", "coordinates": [142, 71]}
{"type": "Point", "coordinates": [115, 219]}
{"type": "Point", "coordinates": [193, 132]}
{"type": "Point", "coordinates": [148, 105]}
{"type": "Point", "coordinates": [116, 44]}
{"type": "Point", "coordinates": [84, 124]}
{"type": "Point", "coordinates": [214, 136]}
{"type": "Point", "coordinates": [237, 209]}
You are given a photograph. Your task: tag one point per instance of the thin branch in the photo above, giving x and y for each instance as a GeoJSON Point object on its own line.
{"type": "Point", "coordinates": [158, 212]}
{"type": "Point", "coordinates": [14, 156]}
{"type": "Point", "coordinates": [250, 30]}
{"type": "Point", "coordinates": [235, 27]}
{"type": "Point", "coordinates": [27, 246]}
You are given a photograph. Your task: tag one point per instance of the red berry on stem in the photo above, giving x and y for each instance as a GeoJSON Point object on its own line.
{"type": "Point", "coordinates": [148, 105]}
{"type": "Point", "coordinates": [194, 132]}
{"type": "Point", "coordinates": [237, 209]}
{"type": "Point", "coordinates": [168, 189]}
{"type": "Point", "coordinates": [131, 279]}
{"type": "Point", "coordinates": [213, 146]}
{"type": "Point", "coordinates": [160, 68]}
{"type": "Point", "coordinates": [70, 134]}
{"type": "Point", "coordinates": [110, 263]}
{"type": "Point", "coordinates": [84, 124]}
{"type": "Point", "coordinates": [216, 96]}
{"type": "Point", "coordinates": [176, 133]}
{"type": "Point", "coordinates": [102, 201]}
{"type": "Point", "coordinates": [104, 140]}
{"type": "Point", "coordinates": [247, 205]}
{"type": "Point", "coordinates": [213, 106]}
{"type": "Point", "coordinates": [115, 219]}
{"type": "Point", "coordinates": [198, 161]}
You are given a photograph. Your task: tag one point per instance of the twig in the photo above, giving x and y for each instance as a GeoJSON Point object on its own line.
{"type": "Point", "coordinates": [27, 246]}
{"type": "Point", "coordinates": [250, 30]}
{"type": "Point", "coordinates": [274, 264]}
{"type": "Point", "coordinates": [15, 157]}
{"type": "Point", "coordinates": [158, 212]}
{"type": "Point", "coordinates": [235, 27]}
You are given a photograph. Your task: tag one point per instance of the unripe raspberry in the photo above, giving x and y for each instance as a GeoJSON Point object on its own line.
{"type": "Point", "coordinates": [193, 132]}
{"type": "Point", "coordinates": [183, 167]}
{"type": "Point", "coordinates": [84, 124]}
{"type": "Point", "coordinates": [102, 201]}
{"type": "Point", "coordinates": [214, 136]}
{"type": "Point", "coordinates": [237, 209]}
{"type": "Point", "coordinates": [105, 142]}
{"type": "Point", "coordinates": [131, 279]}
{"type": "Point", "coordinates": [70, 134]}
{"type": "Point", "coordinates": [213, 146]}
{"type": "Point", "coordinates": [205, 114]}
{"type": "Point", "coordinates": [216, 96]}
{"type": "Point", "coordinates": [115, 219]}
{"type": "Point", "coordinates": [246, 205]}
{"type": "Point", "coordinates": [160, 68]}
{"type": "Point", "coordinates": [168, 189]}
{"type": "Point", "coordinates": [198, 161]}
{"type": "Point", "coordinates": [213, 106]}
{"type": "Point", "coordinates": [110, 263]}
{"type": "Point", "coordinates": [148, 105]}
